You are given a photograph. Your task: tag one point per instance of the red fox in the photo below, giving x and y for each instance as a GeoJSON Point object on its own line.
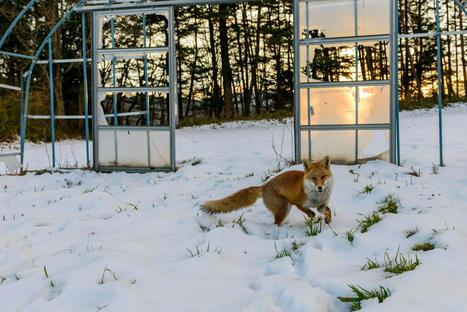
{"type": "Point", "coordinates": [305, 189]}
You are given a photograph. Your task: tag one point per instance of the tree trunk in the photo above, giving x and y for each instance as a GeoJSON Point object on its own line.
{"type": "Point", "coordinates": [213, 108]}
{"type": "Point", "coordinates": [53, 17]}
{"type": "Point", "coordinates": [226, 69]}
{"type": "Point", "coordinates": [254, 79]}
{"type": "Point", "coordinates": [193, 70]}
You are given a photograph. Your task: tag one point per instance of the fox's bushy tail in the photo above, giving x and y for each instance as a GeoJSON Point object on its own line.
{"type": "Point", "coordinates": [238, 200]}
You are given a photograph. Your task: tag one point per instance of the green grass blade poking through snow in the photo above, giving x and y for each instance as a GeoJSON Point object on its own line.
{"type": "Point", "coordinates": [363, 294]}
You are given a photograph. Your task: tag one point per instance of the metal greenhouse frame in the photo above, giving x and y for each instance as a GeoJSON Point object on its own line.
{"type": "Point", "coordinates": [393, 82]}
{"type": "Point", "coordinates": [96, 8]}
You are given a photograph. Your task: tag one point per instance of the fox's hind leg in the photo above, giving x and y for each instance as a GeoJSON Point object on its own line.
{"type": "Point", "coordinates": [278, 205]}
{"type": "Point", "coordinates": [280, 216]}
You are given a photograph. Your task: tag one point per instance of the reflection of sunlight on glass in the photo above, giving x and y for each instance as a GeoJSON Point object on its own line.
{"type": "Point", "coordinates": [364, 94]}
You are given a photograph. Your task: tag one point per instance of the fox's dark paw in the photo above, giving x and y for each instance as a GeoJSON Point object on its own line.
{"type": "Point", "coordinates": [327, 215]}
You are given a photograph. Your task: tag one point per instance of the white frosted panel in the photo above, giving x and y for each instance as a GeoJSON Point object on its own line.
{"type": "Point", "coordinates": [328, 62]}
{"type": "Point", "coordinates": [373, 17]}
{"type": "Point", "coordinates": [373, 144]}
{"type": "Point", "coordinates": [327, 18]}
{"type": "Point", "coordinates": [132, 148]}
{"type": "Point", "coordinates": [373, 104]}
{"type": "Point", "coordinates": [328, 106]}
{"type": "Point", "coordinates": [160, 148]}
{"type": "Point", "coordinates": [338, 145]}
{"type": "Point", "coordinates": [106, 148]}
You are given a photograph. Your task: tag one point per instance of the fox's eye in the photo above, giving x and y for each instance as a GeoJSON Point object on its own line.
{"type": "Point", "coordinates": [314, 179]}
{"type": "Point", "coordinates": [322, 178]}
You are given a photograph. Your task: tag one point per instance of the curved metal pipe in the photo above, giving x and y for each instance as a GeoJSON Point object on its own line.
{"type": "Point", "coordinates": [33, 63]}
{"type": "Point", "coordinates": [20, 15]}
{"type": "Point", "coordinates": [462, 7]}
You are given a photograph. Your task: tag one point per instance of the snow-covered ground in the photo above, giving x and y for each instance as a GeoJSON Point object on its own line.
{"type": "Point", "coordinates": [83, 241]}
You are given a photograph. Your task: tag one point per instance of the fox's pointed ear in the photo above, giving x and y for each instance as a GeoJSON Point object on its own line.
{"type": "Point", "coordinates": [326, 162]}
{"type": "Point", "coordinates": [307, 164]}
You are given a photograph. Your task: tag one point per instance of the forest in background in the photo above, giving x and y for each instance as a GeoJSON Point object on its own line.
{"type": "Point", "coordinates": [233, 62]}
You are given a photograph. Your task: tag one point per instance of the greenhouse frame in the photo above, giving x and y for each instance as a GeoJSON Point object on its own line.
{"type": "Point", "coordinates": [350, 117]}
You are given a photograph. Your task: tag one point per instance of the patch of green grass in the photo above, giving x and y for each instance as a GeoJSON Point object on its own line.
{"type": "Point", "coordinates": [296, 246]}
{"type": "Point", "coordinates": [350, 236]}
{"type": "Point", "coordinates": [47, 276]}
{"type": "Point", "coordinates": [423, 247]}
{"type": "Point", "coordinates": [368, 221]}
{"type": "Point", "coordinates": [389, 205]}
{"type": "Point", "coordinates": [363, 294]}
{"type": "Point", "coordinates": [400, 264]}
{"type": "Point", "coordinates": [367, 189]}
{"type": "Point", "coordinates": [370, 265]}
{"type": "Point", "coordinates": [285, 252]}
{"type": "Point", "coordinates": [196, 252]}
{"type": "Point", "coordinates": [90, 190]}
{"type": "Point", "coordinates": [411, 233]}
{"type": "Point", "coordinates": [196, 162]}
{"type": "Point", "coordinates": [313, 227]}
{"type": "Point", "coordinates": [282, 253]}
{"type": "Point", "coordinates": [219, 223]}
{"type": "Point", "coordinates": [240, 221]}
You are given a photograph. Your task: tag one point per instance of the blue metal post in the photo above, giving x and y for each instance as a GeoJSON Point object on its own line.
{"type": "Point", "coordinates": [308, 91]}
{"type": "Point", "coordinates": [146, 70]}
{"type": "Point", "coordinates": [85, 87]}
{"type": "Point", "coordinates": [297, 98]}
{"type": "Point", "coordinates": [440, 86]}
{"type": "Point", "coordinates": [356, 79]}
{"type": "Point", "coordinates": [31, 68]}
{"type": "Point", "coordinates": [52, 111]}
{"type": "Point", "coordinates": [114, 96]}
{"type": "Point", "coordinates": [21, 118]}
{"type": "Point", "coordinates": [396, 71]}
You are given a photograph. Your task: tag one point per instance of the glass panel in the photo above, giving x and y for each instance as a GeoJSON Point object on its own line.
{"type": "Point", "coordinates": [134, 102]}
{"type": "Point", "coordinates": [338, 145]}
{"type": "Point", "coordinates": [129, 71]}
{"type": "Point", "coordinates": [128, 31]}
{"type": "Point", "coordinates": [373, 17]}
{"type": "Point", "coordinates": [327, 19]}
{"type": "Point", "coordinates": [328, 105]}
{"type": "Point", "coordinates": [106, 147]}
{"type": "Point", "coordinates": [328, 63]}
{"type": "Point", "coordinates": [373, 60]}
{"type": "Point", "coordinates": [373, 144]}
{"type": "Point", "coordinates": [373, 104]}
{"type": "Point", "coordinates": [132, 148]}
{"type": "Point", "coordinates": [160, 149]}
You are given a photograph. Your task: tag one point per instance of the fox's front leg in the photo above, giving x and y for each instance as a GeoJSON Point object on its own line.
{"type": "Point", "coordinates": [327, 213]}
{"type": "Point", "coordinates": [307, 211]}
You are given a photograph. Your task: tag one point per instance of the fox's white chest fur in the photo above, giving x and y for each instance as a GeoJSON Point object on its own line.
{"type": "Point", "coordinates": [317, 199]}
